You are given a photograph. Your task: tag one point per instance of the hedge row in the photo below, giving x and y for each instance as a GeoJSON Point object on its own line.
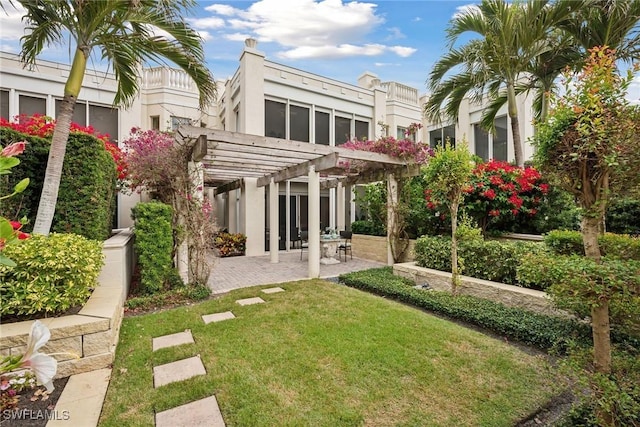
{"type": "Point", "coordinates": [529, 328]}
{"type": "Point", "coordinates": [87, 194]}
{"type": "Point", "coordinates": [484, 259]}
{"type": "Point", "coordinates": [621, 246]}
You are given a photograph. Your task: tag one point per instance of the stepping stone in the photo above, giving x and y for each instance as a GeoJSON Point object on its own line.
{"type": "Point", "coordinates": [272, 290]}
{"type": "Point", "coordinates": [218, 317]}
{"type": "Point", "coordinates": [203, 412]}
{"type": "Point", "coordinates": [173, 340]}
{"type": "Point", "coordinates": [177, 371]}
{"type": "Point", "coordinates": [250, 301]}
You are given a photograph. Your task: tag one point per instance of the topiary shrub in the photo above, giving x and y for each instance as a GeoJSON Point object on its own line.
{"type": "Point", "coordinates": [154, 245]}
{"type": "Point", "coordinates": [622, 246]}
{"type": "Point", "coordinates": [52, 274]}
{"type": "Point", "coordinates": [87, 194]}
{"type": "Point", "coordinates": [368, 228]}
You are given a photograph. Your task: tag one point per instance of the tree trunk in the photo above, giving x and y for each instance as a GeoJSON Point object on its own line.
{"type": "Point", "coordinates": [600, 313]}
{"type": "Point", "coordinates": [515, 124]}
{"type": "Point", "coordinates": [53, 173]}
{"type": "Point", "coordinates": [455, 275]}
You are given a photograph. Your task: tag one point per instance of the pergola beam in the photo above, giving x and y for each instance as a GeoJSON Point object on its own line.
{"type": "Point", "coordinates": [230, 186]}
{"type": "Point", "coordinates": [328, 161]}
{"type": "Point", "coordinates": [372, 176]}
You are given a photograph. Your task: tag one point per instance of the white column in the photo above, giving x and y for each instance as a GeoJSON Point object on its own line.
{"type": "Point", "coordinates": [219, 210]}
{"type": "Point", "coordinates": [392, 200]}
{"type": "Point", "coordinates": [314, 223]}
{"type": "Point", "coordinates": [287, 206]}
{"type": "Point", "coordinates": [252, 220]}
{"type": "Point", "coordinates": [274, 237]}
{"type": "Point", "coordinates": [352, 204]}
{"type": "Point", "coordinates": [232, 211]}
{"type": "Point", "coordinates": [332, 208]}
{"type": "Point", "coordinates": [340, 199]}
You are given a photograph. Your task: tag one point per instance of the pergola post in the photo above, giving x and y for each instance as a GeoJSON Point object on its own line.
{"type": "Point", "coordinates": [252, 210]}
{"type": "Point", "coordinates": [232, 209]}
{"type": "Point", "coordinates": [274, 237]}
{"type": "Point", "coordinates": [287, 206]}
{"type": "Point", "coordinates": [314, 223]}
{"type": "Point", "coordinates": [392, 201]}
{"type": "Point", "coordinates": [340, 205]}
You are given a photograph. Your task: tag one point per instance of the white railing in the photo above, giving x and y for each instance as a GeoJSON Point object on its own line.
{"type": "Point", "coordinates": [164, 77]}
{"type": "Point", "coordinates": [399, 92]}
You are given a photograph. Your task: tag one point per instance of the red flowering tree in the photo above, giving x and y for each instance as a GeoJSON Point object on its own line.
{"type": "Point", "coordinates": [500, 191]}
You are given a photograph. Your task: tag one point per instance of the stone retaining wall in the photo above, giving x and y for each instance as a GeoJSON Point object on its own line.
{"type": "Point", "coordinates": [374, 248]}
{"type": "Point", "coordinates": [92, 334]}
{"type": "Point", "coordinates": [513, 296]}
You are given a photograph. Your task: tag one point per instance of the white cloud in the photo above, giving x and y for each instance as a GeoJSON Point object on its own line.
{"type": "Point", "coordinates": [395, 33]}
{"type": "Point", "coordinates": [633, 93]}
{"type": "Point", "coordinates": [8, 48]}
{"type": "Point", "coordinates": [386, 64]}
{"type": "Point", "coordinates": [417, 19]}
{"type": "Point", "coordinates": [237, 37]}
{"type": "Point", "coordinates": [310, 28]}
{"type": "Point", "coordinates": [206, 35]}
{"type": "Point", "coordinates": [403, 51]}
{"type": "Point", "coordinates": [210, 22]}
{"type": "Point", "coordinates": [11, 26]}
{"type": "Point", "coordinates": [464, 9]}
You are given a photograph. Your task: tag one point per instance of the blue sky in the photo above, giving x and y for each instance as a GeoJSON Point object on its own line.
{"type": "Point", "coordinates": [397, 40]}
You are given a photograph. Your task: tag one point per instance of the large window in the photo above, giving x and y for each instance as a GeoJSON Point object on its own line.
{"type": "Point", "coordinates": [322, 128]}
{"type": "Point", "coordinates": [500, 139]}
{"type": "Point", "coordinates": [362, 130]}
{"type": "Point", "coordinates": [492, 146]}
{"type": "Point", "coordinates": [298, 123]}
{"type": "Point", "coordinates": [342, 130]}
{"type": "Point", "coordinates": [4, 104]}
{"type": "Point", "coordinates": [438, 137]}
{"type": "Point", "coordinates": [79, 112]}
{"type": "Point", "coordinates": [274, 119]}
{"type": "Point", "coordinates": [176, 122]}
{"type": "Point", "coordinates": [481, 140]}
{"type": "Point", "coordinates": [30, 105]}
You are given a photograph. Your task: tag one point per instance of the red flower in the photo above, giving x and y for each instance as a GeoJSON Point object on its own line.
{"type": "Point", "coordinates": [544, 188]}
{"type": "Point", "coordinates": [13, 149]}
{"type": "Point", "coordinates": [496, 180]}
{"type": "Point", "coordinates": [489, 194]}
{"type": "Point", "coordinates": [15, 225]}
{"type": "Point", "coordinates": [23, 236]}
{"type": "Point", "coordinates": [494, 212]}
{"type": "Point", "coordinates": [514, 211]}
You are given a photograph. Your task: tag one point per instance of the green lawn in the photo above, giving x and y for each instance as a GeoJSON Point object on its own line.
{"type": "Point", "coordinates": [322, 354]}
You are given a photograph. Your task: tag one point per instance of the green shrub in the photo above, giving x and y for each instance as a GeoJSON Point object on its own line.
{"type": "Point", "coordinates": [368, 228]}
{"type": "Point", "coordinates": [622, 246]}
{"type": "Point", "coordinates": [87, 194]}
{"type": "Point", "coordinates": [230, 244]}
{"type": "Point", "coordinates": [534, 329]}
{"type": "Point", "coordinates": [623, 216]}
{"type": "Point", "coordinates": [484, 259]}
{"type": "Point", "coordinates": [154, 245]}
{"type": "Point", "coordinates": [53, 273]}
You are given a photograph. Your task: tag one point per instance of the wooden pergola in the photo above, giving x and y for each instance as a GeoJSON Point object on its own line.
{"type": "Point", "coordinates": [234, 161]}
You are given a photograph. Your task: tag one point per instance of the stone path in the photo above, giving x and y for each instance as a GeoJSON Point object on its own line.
{"type": "Point", "coordinates": [200, 412]}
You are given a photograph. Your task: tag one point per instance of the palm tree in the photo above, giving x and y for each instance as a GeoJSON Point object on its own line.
{"type": "Point", "coordinates": [127, 34]}
{"type": "Point", "coordinates": [511, 37]}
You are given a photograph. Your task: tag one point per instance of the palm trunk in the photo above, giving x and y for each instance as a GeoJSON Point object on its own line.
{"type": "Point", "coordinates": [53, 173]}
{"type": "Point", "coordinates": [515, 124]}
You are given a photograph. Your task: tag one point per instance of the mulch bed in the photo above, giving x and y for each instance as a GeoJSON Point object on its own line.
{"type": "Point", "coordinates": [33, 411]}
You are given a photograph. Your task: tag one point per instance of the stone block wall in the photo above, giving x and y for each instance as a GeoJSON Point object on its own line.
{"type": "Point", "coordinates": [512, 296]}
{"type": "Point", "coordinates": [87, 339]}
{"type": "Point", "coordinates": [374, 248]}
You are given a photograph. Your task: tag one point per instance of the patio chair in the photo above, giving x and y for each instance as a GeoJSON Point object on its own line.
{"type": "Point", "coordinates": [304, 242]}
{"type": "Point", "coordinates": [346, 245]}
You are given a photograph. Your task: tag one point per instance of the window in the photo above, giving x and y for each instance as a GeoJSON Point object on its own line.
{"type": "Point", "coordinates": [104, 120]}
{"type": "Point", "coordinates": [4, 104]}
{"type": "Point", "coordinates": [362, 130]}
{"type": "Point", "coordinates": [400, 132]}
{"type": "Point", "coordinates": [322, 128]}
{"type": "Point", "coordinates": [176, 122]}
{"type": "Point", "coordinates": [437, 137]}
{"type": "Point", "coordinates": [79, 112]}
{"type": "Point", "coordinates": [342, 130]}
{"type": "Point", "coordinates": [274, 119]}
{"type": "Point", "coordinates": [30, 105]}
{"type": "Point", "coordinates": [481, 139]}
{"type": "Point", "coordinates": [500, 139]}
{"type": "Point", "coordinates": [155, 122]}
{"type": "Point", "coordinates": [298, 123]}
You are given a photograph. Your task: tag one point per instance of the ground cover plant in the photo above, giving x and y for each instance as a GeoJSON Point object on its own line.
{"type": "Point", "coordinates": [324, 354]}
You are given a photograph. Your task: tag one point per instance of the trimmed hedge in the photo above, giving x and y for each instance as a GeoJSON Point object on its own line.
{"type": "Point", "coordinates": [368, 228]}
{"type": "Point", "coordinates": [87, 194]}
{"type": "Point", "coordinates": [621, 246]}
{"type": "Point", "coordinates": [484, 259]}
{"type": "Point", "coordinates": [154, 245]}
{"type": "Point", "coordinates": [53, 273]}
{"type": "Point", "coordinates": [623, 216]}
{"type": "Point", "coordinates": [544, 332]}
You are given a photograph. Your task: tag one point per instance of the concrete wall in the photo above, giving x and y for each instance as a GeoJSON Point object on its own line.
{"type": "Point", "coordinates": [512, 296]}
{"type": "Point", "coordinates": [92, 334]}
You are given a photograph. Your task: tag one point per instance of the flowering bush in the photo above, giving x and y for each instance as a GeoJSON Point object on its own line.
{"type": "Point", "coordinates": [499, 190]}
{"type": "Point", "coordinates": [10, 230]}
{"type": "Point", "coordinates": [43, 126]}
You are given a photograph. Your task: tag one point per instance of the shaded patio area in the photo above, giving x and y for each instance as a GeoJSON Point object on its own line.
{"type": "Point", "coordinates": [243, 272]}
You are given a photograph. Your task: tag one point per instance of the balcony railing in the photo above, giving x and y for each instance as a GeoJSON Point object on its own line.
{"type": "Point", "coordinates": [399, 92]}
{"type": "Point", "coordinates": [164, 77]}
